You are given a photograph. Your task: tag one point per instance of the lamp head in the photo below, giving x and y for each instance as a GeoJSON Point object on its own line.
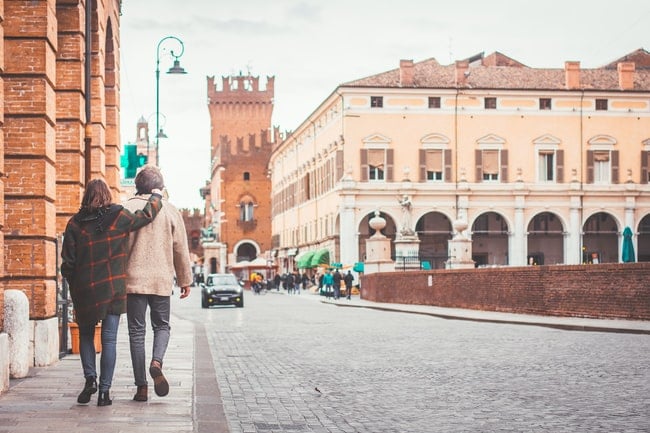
{"type": "Point", "coordinates": [177, 68]}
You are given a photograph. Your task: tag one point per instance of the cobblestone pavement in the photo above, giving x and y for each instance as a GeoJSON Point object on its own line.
{"type": "Point", "coordinates": [294, 364]}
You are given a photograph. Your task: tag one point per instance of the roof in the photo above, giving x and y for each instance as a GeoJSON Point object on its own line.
{"type": "Point", "coordinates": [498, 71]}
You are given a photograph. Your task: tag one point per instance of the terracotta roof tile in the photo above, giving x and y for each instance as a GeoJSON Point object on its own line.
{"type": "Point", "coordinates": [498, 71]}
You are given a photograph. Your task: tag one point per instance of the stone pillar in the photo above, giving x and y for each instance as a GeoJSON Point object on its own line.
{"type": "Point", "coordinates": [519, 247]}
{"type": "Point", "coordinates": [573, 239]}
{"type": "Point", "coordinates": [16, 324]}
{"type": "Point", "coordinates": [378, 249]}
{"type": "Point", "coordinates": [349, 241]}
{"type": "Point", "coordinates": [4, 362]}
{"type": "Point", "coordinates": [460, 248]}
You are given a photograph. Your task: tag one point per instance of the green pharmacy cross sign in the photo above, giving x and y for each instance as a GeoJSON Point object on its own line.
{"type": "Point", "coordinates": [130, 161]}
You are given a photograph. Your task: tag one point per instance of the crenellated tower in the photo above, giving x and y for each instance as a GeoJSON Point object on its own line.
{"type": "Point", "coordinates": [238, 198]}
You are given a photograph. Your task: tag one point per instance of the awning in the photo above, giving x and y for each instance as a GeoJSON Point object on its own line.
{"type": "Point", "coordinates": [320, 257]}
{"type": "Point", "coordinates": [304, 261]}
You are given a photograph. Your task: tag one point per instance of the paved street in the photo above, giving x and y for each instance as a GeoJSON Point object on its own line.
{"type": "Point", "coordinates": [295, 364]}
{"type": "Point", "coordinates": [291, 363]}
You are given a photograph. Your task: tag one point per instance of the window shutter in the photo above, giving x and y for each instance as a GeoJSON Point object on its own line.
{"type": "Point", "coordinates": [504, 165]}
{"type": "Point", "coordinates": [447, 165]}
{"type": "Point", "coordinates": [478, 157]}
{"type": "Point", "coordinates": [590, 166]}
{"type": "Point", "coordinates": [364, 164]}
{"type": "Point", "coordinates": [423, 168]}
{"type": "Point", "coordinates": [615, 170]}
{"type": "Point", "coordinates": [644, 167]}
{"type": "Point", "coordinates": [389, 165]}
{"type": "Point", "coordinates": [559, 156]}
{"type": "Point", "coordinates": [339, 165]}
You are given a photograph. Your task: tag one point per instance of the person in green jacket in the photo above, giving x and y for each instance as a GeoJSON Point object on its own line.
{"type": "Point", "coordinates": [94, 258]}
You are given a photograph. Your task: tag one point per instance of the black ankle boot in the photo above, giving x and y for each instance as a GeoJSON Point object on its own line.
{"type": "Point", "coordinates": [89, 389]}
{"type": "Point", "coordinates": [104, 399]}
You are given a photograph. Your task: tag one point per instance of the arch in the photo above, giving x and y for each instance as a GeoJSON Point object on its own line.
{"type": "Point", "coordinates": [434, 230]}
{"type": "Point", "coordinates": [545, 243]}
{"type": "Point", "coordinates": [365, 231]}
{"type": "Point", "coordinates": [643, 239]}
{"type": "Point", "coordinates": [246, 249]}
{"type": "Point", "coordinates": [600, 238]}
{"type": "Point", "coordinates": [490, 233]}
{"type": "Point", "coordinates": [435, 139]}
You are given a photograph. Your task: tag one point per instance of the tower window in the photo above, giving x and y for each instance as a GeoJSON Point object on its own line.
{"type": "Point", "coordinates": [247, 176]}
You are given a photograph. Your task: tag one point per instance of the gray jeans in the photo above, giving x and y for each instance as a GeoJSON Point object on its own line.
{"type": "Point", "coordinates": [136, 309]}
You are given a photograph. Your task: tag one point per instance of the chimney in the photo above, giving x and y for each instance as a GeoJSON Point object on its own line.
{"type": "Point", "coordinates": [406, 73]}
{"type": "Point", "coordinates": [626, 75]}
{"type": "Point", "coordinates": [462, 72]}
{"type": "Point", "coordinates": [572, 75]}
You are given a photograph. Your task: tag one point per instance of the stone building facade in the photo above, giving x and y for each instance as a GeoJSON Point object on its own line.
{"type": "Point", "coordinates": [543, 165]}
{"type": "Point", "coordinates": [238, 208]}
{"type": "Point", "coordinates": [59, 68]}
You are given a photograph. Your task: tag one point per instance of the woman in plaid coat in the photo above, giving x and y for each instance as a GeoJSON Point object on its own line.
{"type": "Point", "coordinates": [94, 254]}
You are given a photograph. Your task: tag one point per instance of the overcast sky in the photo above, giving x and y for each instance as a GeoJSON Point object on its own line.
{"type": "Point", "coordinates": [311, 46]}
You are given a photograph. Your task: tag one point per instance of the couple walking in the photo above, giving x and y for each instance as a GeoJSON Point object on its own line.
{"type": "Point", "coordinates": [122, 259]}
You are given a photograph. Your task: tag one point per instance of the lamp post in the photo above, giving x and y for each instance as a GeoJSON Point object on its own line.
{"type": "Point", "coordinates": [175, 69]}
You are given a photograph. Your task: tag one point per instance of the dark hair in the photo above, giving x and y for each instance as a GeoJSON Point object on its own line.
{"type": "Point", "coordinates": [96, 196]}
{"type": "Point", "coordinates": [147, 179]}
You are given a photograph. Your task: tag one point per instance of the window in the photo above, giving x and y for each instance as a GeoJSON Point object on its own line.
{"type": "Point", "coordinates": [490, 165]}
{"type": "Point", "coordinates": [602, 166]}
{"type": "Point", "coordinates": [433, 163]}
{"type": "Point", "coordinates": [247, 176]}
{"type": "Point", "coordinates": [544, 103]}
{"type": "Point", "coordinates": [490, 103]}
{"type": "Point", "coordinates": [434, 101]}
{"type": "Point", "coordinates": [246, 211]}
{"type": "Point", "coordinates": [377, 101]}
{"type": "Point", "coordinates": [546, 166]}
{"type": "Point", "coordinates": [601, 104]}
{"type": "Point", "coordinates": [376, 164]}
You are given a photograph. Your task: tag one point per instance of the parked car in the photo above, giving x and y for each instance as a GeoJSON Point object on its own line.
{"type": "Point", "coordinates": [222, 289]}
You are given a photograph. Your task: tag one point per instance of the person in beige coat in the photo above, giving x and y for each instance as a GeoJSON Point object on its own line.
{"type": "Point", "coordinates": [158, 253]}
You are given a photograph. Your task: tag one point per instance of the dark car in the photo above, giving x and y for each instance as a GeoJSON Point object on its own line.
{"type": "Point", "coordinates": [222, 289]}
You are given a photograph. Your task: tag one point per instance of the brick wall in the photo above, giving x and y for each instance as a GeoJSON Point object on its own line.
{"type": "Point", "coordinates": [602, 291]}
{"type": "Point", "coordinates": [30, 44]}
{"type": "Point", "coordinates": [2, 165]}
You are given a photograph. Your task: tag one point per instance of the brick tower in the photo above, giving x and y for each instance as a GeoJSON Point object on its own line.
{"type": "Point", "coordinates": [238, 198]}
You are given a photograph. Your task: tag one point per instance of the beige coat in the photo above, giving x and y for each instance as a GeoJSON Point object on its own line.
{"type": "Point", "coordinates": [158, 252]}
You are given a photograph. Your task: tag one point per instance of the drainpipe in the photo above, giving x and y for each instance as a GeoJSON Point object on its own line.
{"type": "Point", "coordinates": [88, 127]}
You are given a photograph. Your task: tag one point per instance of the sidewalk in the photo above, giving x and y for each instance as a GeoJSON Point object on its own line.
{"type": "Point", "coordinates": [49, 403]}
{"type": "Point", "coordinates": [567, 323]}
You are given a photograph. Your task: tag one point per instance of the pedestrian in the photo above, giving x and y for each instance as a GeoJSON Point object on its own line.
{"type": "Point", "coordinates": [348, 279]}
{"type": "Point", "coordinates": [276, 282]}
{"type": "Point", "coordinates": [337, 277]}
{"type": "Point", "coordinates": [94, 255]}
{"type": "Point", "coordinates": [305, 280]}
{"type": "Point", "coordinates": [157, 254]}
{"type": "Point", "coordinates": [297, 281]}
{"type": "Point", "coordinates": [290, 283]}
{"type": "Point", "coordinates": [328, 282]}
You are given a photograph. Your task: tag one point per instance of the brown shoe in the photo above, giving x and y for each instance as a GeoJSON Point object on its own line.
{"type": "Point", "coordinates": [141, 393]}
{"type": "Point", "coordinates": [160, 384]}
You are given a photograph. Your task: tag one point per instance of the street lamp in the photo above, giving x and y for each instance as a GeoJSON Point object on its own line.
{"type": "Point", "coordinates": [175, 69]}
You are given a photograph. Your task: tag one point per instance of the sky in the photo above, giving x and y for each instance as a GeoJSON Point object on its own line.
{"type": "Point", "coordinates": [312, 46]}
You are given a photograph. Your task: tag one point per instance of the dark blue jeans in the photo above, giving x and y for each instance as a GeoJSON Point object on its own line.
{"type": "Point", "coordinates": [88, 353]}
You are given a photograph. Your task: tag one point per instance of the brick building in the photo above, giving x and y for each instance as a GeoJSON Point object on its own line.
{"type": "Point", "coordinates": [237, 198]}
{"type": "Point", "coordinates": [59, 69]}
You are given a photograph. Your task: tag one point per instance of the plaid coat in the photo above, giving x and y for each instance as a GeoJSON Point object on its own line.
{"type": "Point", "coordinates": [94, 257]}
